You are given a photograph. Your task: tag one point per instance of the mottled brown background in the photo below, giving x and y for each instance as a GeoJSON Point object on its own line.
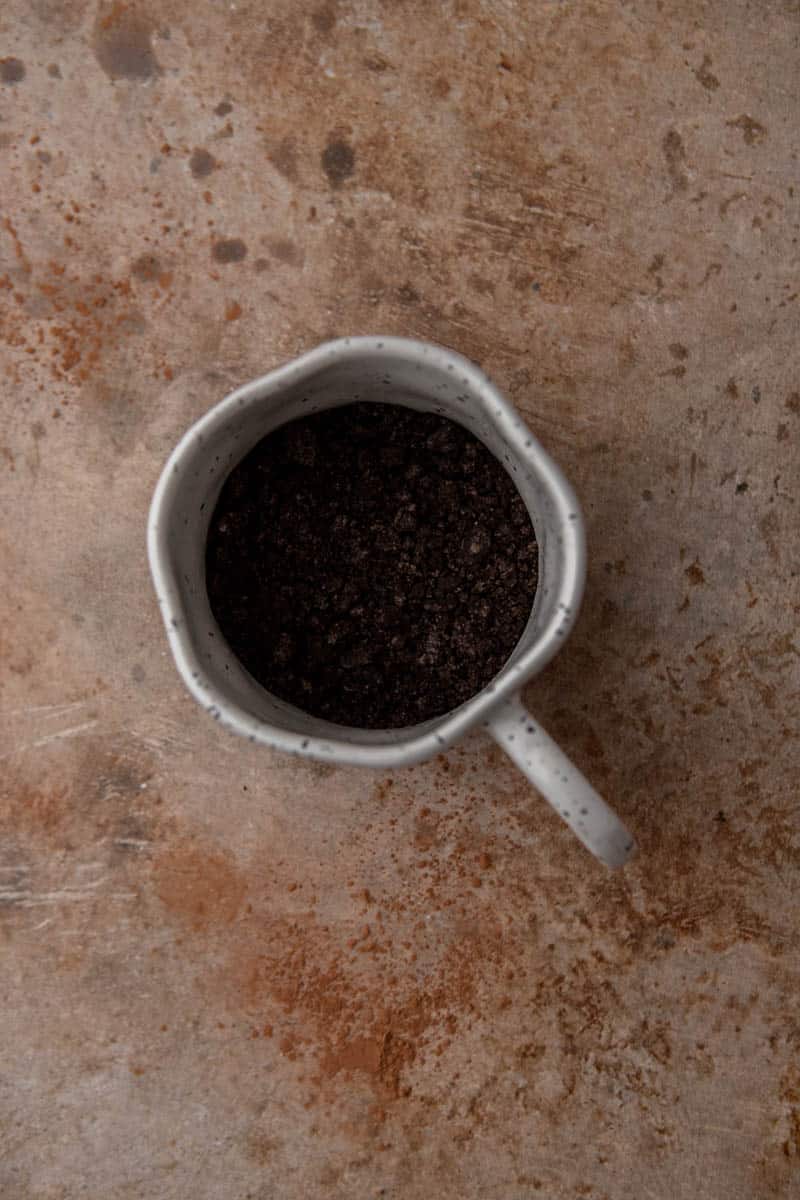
{"type": "Point", "coordinates": [226, 973]}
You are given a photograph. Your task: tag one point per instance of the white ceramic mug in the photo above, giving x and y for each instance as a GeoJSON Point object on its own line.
{"type": "Point", "coordinates": [425, 377]}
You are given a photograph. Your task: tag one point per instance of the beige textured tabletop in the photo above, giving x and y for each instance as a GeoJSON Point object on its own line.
{"type": "Point", "coordinates": [226, 973]}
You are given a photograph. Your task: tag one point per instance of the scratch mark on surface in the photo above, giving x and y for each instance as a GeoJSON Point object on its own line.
{"type": "Point", "coordinates": [53, 709]}
{"type": "Point", "coordinates": [60, 734]}
{"type": "Point", "coordinates": [29, 899]}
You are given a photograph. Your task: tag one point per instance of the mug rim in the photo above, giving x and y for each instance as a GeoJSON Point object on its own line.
{"type": "Point", "coordinates": [435, 735]}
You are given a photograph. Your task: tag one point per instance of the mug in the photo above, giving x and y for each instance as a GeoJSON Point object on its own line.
{"type": "Point", "coordinates": [431, 379]}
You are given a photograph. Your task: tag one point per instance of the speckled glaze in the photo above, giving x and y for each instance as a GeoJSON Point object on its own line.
{"type": "Point", "coordinates": [425, 377]}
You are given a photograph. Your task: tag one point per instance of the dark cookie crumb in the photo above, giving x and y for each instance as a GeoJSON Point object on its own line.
{"type": "Point", "coordinates": [371, 564]}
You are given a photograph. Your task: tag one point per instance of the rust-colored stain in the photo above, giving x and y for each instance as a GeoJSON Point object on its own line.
{"type": "Point", "coordinates": [64, 322]}
{"type": "Point", "coordinates": [349, 1003]}
{"type": "Point", "coordinates": [201, 887]}
{"type": "Point", "coordinates": [34, 810]}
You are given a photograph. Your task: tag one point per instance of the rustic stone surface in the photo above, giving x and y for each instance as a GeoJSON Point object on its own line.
{"type": "Point", "coordinates": [229, 973]}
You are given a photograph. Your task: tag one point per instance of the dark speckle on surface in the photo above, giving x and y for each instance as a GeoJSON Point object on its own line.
{"type": "Point", "coordinates": [675, 155]}
{"type": "Point", "coordinates": [324, 18]}
{"type": "Point", "coordinates": [751, 130]}
{"type": "Point", "coordinates": [146, 268]}
{"type": "Point", "coordinates": [122, 45]}
{"type": "Point", "coordinates": [406, 294]}
{"type": "Point", "coordinates": [338, 162]}
{"type": "Point", "coordinates": [201, 163]}
{"type": "Point", "coordinates": [229, 250]}
{"type": "Point", "coordinates": [12, 70]}
{"type": "Point", "coordinates": [54, 71]}
{"type": "Point", "coordinates": [284, 157]}
{"type": "Point", "coordinates": [695, 574]}
{"type": "Point", "coordinates": [705, 76]}
{"type": "Point", "coordinates": [287, 252]}
{"type": "Point", "coordinates": [223, 108]}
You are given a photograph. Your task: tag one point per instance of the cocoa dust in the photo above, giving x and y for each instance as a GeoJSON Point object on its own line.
{"type": "Point", "coordinates": [372, 564]}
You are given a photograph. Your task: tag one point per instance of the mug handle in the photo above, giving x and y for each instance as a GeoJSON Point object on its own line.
{"type": "Point", "coordinates": [561, 783]}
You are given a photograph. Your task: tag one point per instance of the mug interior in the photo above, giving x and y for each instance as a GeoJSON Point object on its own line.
{"type": "Point", "coordinates": [390, 371]}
